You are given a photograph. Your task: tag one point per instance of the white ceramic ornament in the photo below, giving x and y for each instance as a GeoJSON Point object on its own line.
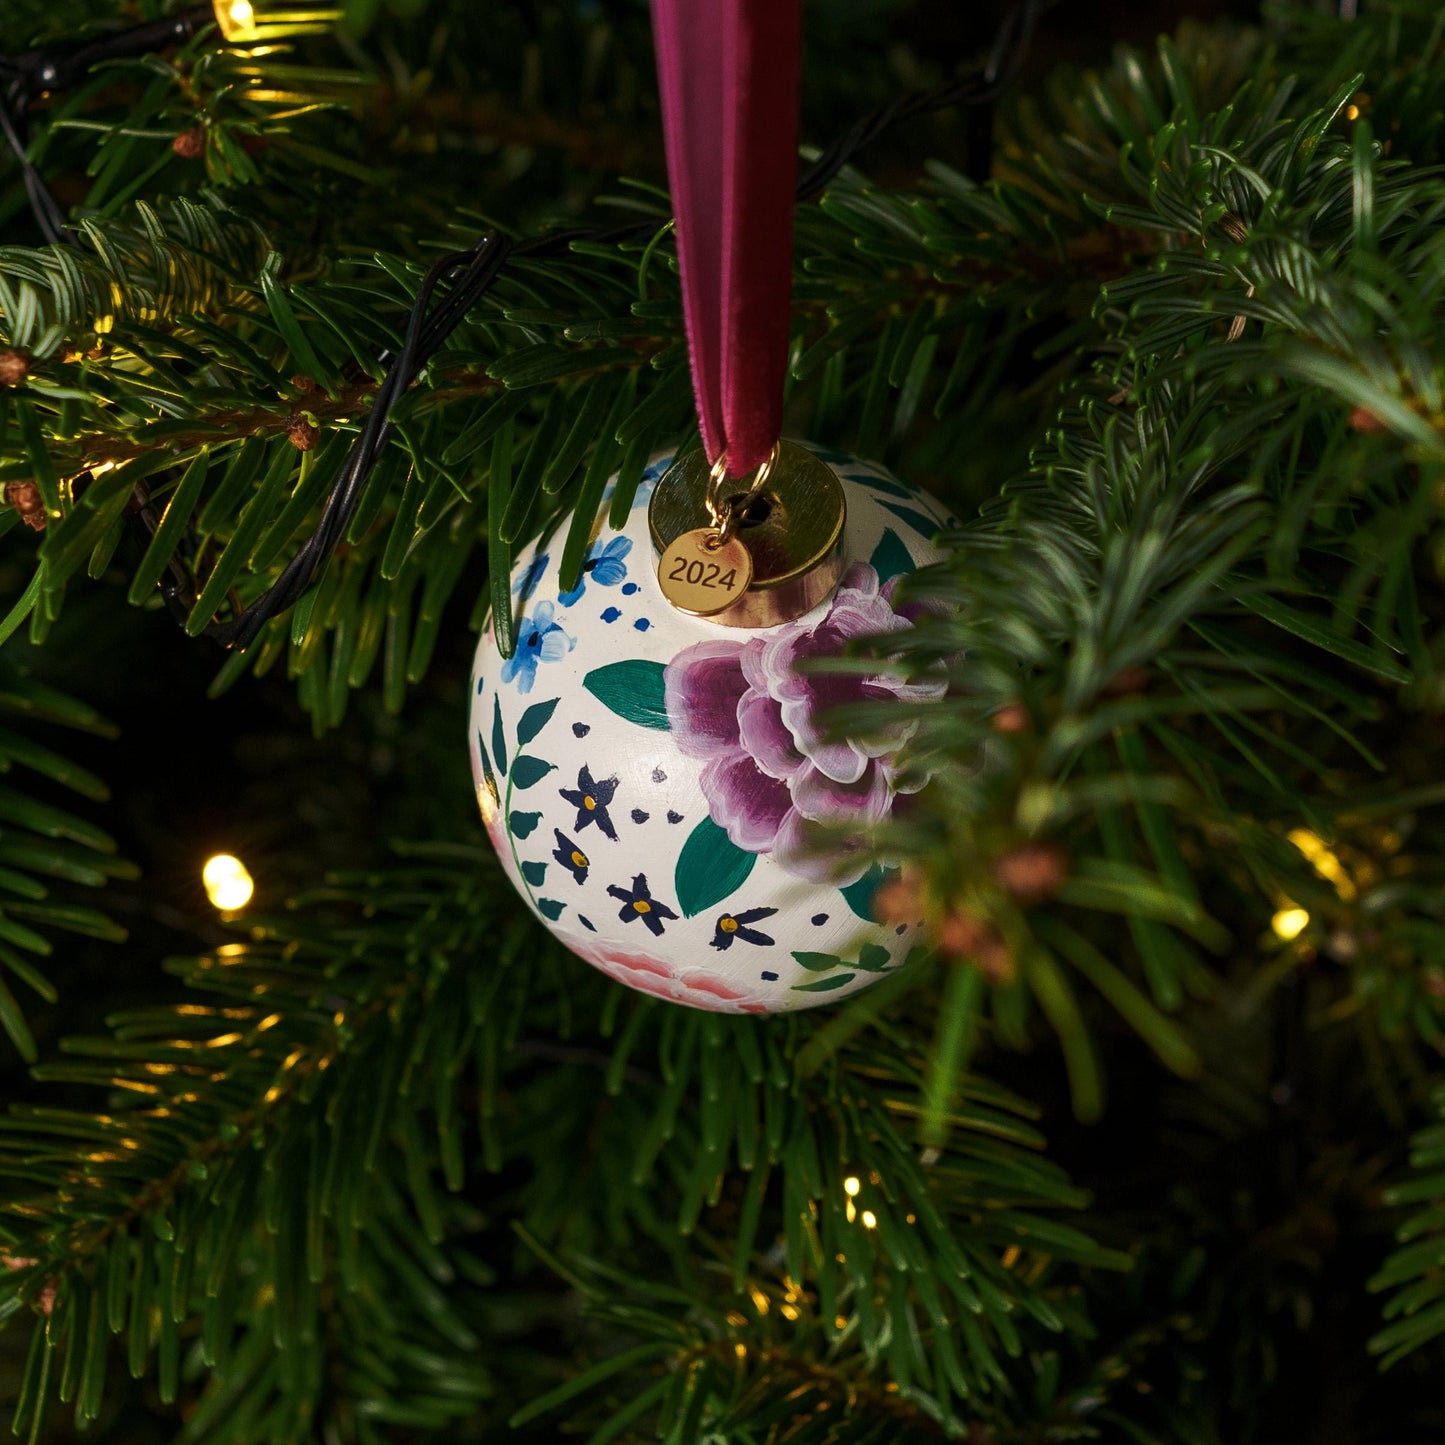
{"type": "Point", "coordinates": [655, 785]}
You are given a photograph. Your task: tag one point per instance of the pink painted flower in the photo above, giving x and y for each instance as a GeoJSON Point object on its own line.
{"type": "Point", "coordinates": [772, 778]}
{"type": "Point", "coordinates": [698, 987]}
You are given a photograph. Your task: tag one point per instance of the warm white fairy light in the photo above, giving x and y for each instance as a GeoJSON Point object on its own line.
{"type": "Point", "coordinates": [237, 19]}
{"type": "Point", "coordinates": [240, 24]}
{"type": "Point", "coordinates": [851, 1186]}
{"type": "Point", "coordinates": [1289, 923]}
{"type": "Point", "coordinates": [228, 882]}
{"type": "Point", "coordinates": [1324, 861]}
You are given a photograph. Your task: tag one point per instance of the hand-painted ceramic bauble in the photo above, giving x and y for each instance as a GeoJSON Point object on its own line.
{"type": "Point", "coordinates": [656, 784]}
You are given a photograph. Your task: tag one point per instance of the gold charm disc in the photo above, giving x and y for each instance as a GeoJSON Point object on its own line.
{"type": "Point", "coordinates": [702, 576]}
{"type": "Point", "coordinates": [793, 530]}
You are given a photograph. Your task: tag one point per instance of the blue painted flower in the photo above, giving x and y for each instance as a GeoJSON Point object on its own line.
{"type": "Point", "coordinates": [638, 902]}
{"type": "Point", "coordinates": [539, 639]}
{"type": "Point", "coordinates": [527, 582]}
{"type": "Point", "coordinates": [652, 472]}
{"type": "Point", "coordinates": [604, 565]}
{"type": "Point", "coordinates": [591, 798]}
{"type": "Point", "coordinates": [735, 925]}
{"type": "Point", "coordinates": [570, 856]}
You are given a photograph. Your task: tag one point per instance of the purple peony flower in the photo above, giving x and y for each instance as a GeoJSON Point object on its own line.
{"type": "Point", "coordinates": [771, 778]}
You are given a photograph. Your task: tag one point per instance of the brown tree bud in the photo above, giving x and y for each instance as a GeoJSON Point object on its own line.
{"type": "Point", "coordinates": [1012, 719]}
{"type": "Point", "coordinates": [1032, 872]}
{"type": "Point", "coordinates": [1126, 682]}
{"type": "Point", "coordinates": [967, 937]}
{"type": "Point", "coordinates": [961, 932]}
{"type": "Point", "coordinates": [1363, 419]}
{"type": "Point", "coordinates": [301, 432]}
{"type": "Point", "coordinates": [46, 1298]}
{"type": "Point", "coordinates": [899, 900]}
{"type": "Point", "coordinates": [190, 145]}
{"type": "Point", "coordinates": [25, 498]}
{"type": "Point", "coordinates": [14, 367]}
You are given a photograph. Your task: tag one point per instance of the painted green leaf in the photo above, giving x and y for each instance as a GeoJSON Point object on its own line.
{"type": "Point", "coordinates": [709, 868]}
{"type": "Point", "coordinates": [824, 985]}
{"type": "Point", "coordinates": [534, 873]}
{"type": "Point", "coordinates": [890, 557]}
{"type": "Point", "coordinates": [873, 958]}
{"type": "Point", "coordinates": [881, 484]}
{"type": "Point", "coordinates": [499, 740]}
{"type": "Point", "coordinates": [859, 895]}
{"type": "Point", "coordinates": [527, 771]}
{"type": "Point", "coordinates": [488, 776]}
{"type": "Point", "coordinates": [819, 962]}
{"type": "Point", "coordinates": [920, 522]}
{"type": "Point", "coordinates": [522, 824]}
{"type": "Point", "coordinates": [550, 908]}
{"type": "Point", "coordinates": [631, 689]}
{"type": "Point", "coordinates": [534, 720]}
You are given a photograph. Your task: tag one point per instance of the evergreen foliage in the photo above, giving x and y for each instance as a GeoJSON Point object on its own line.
{"type": "Point", "coordinates": [386, 1164]}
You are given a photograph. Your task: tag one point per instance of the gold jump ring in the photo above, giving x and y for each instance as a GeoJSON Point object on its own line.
{"type": "Point", "coordinates": [724, 512]}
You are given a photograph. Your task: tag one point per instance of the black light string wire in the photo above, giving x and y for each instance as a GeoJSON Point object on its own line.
{"type": "Point", "coordinates": [470, 272]}
{"type": "Point", "coordinates": [27, 77]}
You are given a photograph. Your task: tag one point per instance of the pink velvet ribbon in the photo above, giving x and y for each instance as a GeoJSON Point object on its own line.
{"type": "Point", "coordinates": [728, 72]}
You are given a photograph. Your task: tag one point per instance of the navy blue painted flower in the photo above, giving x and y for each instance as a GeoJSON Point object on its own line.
{"type": "Point", "coordinates": [526, 584]}
{"type": "Point", "coordinates": [570, 856]}
{"type": "Point", "coordinates": [735, 925]}
{"type": "Point", "coordinates": [638, 902]}
{"type": "Point", "coordinates": [591, 800]}
{"type": "Point", "coordinates": [539, 639]}
{"type": "Point", "coordinates": [604, 565]}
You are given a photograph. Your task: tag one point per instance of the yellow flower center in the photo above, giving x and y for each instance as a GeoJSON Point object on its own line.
{"type": "Point", "coordinates": [728, 924]}
{"type": "Point", "coordinates": [579, 860]}
{"type": "Point", "coordinates": [589, 803]}
{"type": "Point", "coordinates": [641, 905]}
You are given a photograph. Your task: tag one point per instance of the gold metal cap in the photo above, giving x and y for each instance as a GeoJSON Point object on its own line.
{"type": "Point", "coordinates": [793, 531]}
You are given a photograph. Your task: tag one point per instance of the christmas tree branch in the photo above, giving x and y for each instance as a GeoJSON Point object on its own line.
{"type": "Point", "coordinates": [366, 1025]}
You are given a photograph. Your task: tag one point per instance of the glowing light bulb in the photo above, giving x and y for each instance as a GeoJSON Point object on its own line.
{"type": "Point", "coordinates": [237, 19]}
{"type": "Point", "coordinates": [1324, 862]}
{"type": "Point", "coordinates": [851, 1186]}
{"type": "Point", "coordinates": [1290, 922]}
{"type": "Point", "coordinates": [870, 1220]}
{"type": "Point", "coordinates": [228, 883]}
